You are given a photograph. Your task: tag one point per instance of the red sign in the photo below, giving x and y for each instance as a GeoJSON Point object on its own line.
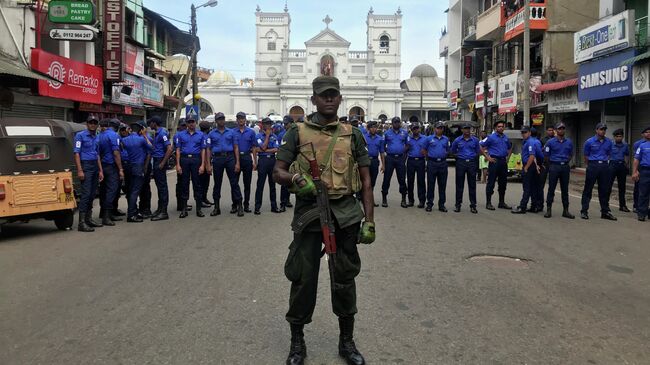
{"type": "Point", "coordinates": [468, 67]}
{"type": "Point", "coordinates": [79, 81]}
{"type": "Point", "coordinates": [134, 60]}
{"type": "Point", "coordinates": [113, 40]}
{"type": "Point", "coordinates": [515, 23]}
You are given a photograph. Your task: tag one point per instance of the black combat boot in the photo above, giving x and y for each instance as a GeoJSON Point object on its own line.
{"type": "Point", "coordinates": [298, 349]}
{"type": "Point", "coordinates": [384, 200]}
{"type": "Point", "coordinates": [403, 204]}
{"type": "Point", "coordinates": [233, 209]}
{"type": "Point", "coordinates": [489, 205]}
{"type": "Point", "coordinates": [240, 210]}
{"type": "Point", "coordinates": [90, 221]}
{"type": "Point", "coordinates": [549, 211]}
{"type": "Point", "coordinates": [161, 216]}
{"type": "Point", "coordinates": [347, 348]}
{"type": "Point", "coordinates": [106, 218]}
{"type": "Point", "coordinates": [566, 214]}
{"type": "Point", "coordinates": [83, 226]}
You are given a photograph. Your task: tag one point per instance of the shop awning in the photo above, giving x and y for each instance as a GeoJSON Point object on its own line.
{"type": "Point", "coordinates": [9, 66]}
{"type": "Point", "coordinates": [557, 85]}
{"type": "Point", "coordinates": [635, 59]}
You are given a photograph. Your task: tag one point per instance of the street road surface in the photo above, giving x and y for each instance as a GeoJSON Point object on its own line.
{"type": "Point", "coordinates": [213, 291]}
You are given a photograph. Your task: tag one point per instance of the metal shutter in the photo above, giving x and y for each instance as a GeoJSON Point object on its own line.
{"type": "Point", "coordinates": [33, 111]}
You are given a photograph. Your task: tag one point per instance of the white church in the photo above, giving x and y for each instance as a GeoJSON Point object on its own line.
{"type": "Point", "coordinates": [370, 79]}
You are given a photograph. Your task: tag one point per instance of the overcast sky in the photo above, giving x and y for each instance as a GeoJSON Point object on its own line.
{"type": "Point", "coordinates": [227, 31]}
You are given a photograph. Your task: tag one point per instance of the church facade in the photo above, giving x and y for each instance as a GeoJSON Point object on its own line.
{"type": "Point", "coordinates": [370, 78]}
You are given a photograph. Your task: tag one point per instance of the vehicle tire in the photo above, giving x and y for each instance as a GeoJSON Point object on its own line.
{"type": "Point", "coordinates": [64, 220]}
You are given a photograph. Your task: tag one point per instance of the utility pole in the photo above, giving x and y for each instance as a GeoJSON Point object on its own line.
{"type": "Point", "coordinates": [486, 92]}
{"type": "Point", "coordinates": [422, 100]}
{"type": "Point", "coordinates": [526, 95]}
{"type": "Point", "coordinates": [195, 83]}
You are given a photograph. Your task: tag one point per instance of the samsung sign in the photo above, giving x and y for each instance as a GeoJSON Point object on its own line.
{"type": "Point", "coordinates": [611, 35]}
{"type": "Point", "coordinates": [605, 78]}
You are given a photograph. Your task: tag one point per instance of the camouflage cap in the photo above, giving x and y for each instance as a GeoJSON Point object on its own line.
{"type": "Point", "coordinates": [324, 83]}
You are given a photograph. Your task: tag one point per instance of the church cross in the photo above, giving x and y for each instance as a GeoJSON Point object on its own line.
{"type": "Point", "coordinates": [327, 21]}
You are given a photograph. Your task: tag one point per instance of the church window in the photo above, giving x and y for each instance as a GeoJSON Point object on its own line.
{"type": "Point", "coordinates": [384, 43]}
{"type": "Point", "coordinates": [271, 38]}
{"type": "Point", "coordinates": [327, 66]}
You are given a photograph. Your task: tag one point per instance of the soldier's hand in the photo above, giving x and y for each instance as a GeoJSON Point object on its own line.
{"type": "Point", "coordinates": [304, 186]}
{"type": "Point", "coordinates": [81, 175]}
{"type": "Point", "coordinates": [367, 233]}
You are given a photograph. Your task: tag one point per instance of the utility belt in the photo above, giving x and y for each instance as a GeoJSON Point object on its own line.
{"type": "Point", "coordinates": [395, 155]}
{"type": "Point", "coordinates": [431, 159]}
{"type": "Point", "coordinates": [416, 158]}
{"type": "Point", "coordinates": [191, 155]}
{"type": "Point", "coordinates": [560, 163]}
{"type": "Point", "coordinates": [597, 162]}
{"type": "Point", "coordinates": [222, 154]}
{"type": "Point", "coordinates": [373, 157]}
{"type": "Point", "coordinates": [468, 160]}
{"type": "Point", "coordinates": [266, 155]}
{"type": "Point", "coordinates": [616, 162]}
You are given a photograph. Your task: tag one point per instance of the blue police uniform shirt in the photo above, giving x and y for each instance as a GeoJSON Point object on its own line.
{"type": "Point", "coordinates": [137, 148]}
{"type": "Point", "coordinates": [245, 139]}
{"type": "Point", "coordinates": [273, 143]}
{"type": "Point", "coordinates": [637, 144]}
{"type": "Point", "coordinates": [86, 145]}
{"type": "Point", "coordinates": [598, 150]}
{"type": "Point", "coordinates": [190, 144]}
{"type": "Point", "coordinates": [221, 141]}
{"type": "Point", "coordinates": [395, 141]}
{"type": "Point", "coordinates": [281, 134]}
{"type": "Point", "coordinates": [497, 145]}
{"type": "Point", "coordinates": [557, 151]}
{"type": "Point", "coordinates": [531, 146]}
{"type": "Point", "coordinates": [160, 142]}
{"type": "Point", "coordinates": [415, 146]}
{"type": "Point", "coordinates": [437, 147]}
{"type": "Point", "coordinates": [466, 149]}
{"type": "Point", "coordinates": [619, 151]}
{"type": "Point", "coordinates": [539, 150]}
{"type": "Point", "coordinates": [364, 131]}
{"type": "Point", "coordinates": [109, 141]}
{"type": "Point", "coordinates": [375, 145]}
{"type": "Point", "coordinates": [642, 153]}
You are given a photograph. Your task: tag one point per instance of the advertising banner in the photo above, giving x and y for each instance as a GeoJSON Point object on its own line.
{"type": "Point", "coordinates": [492, 93]}
{"type": "Point", "coordinates": [78, 81]}
{"type": "Point", "coordinates": [611, 35]}
{"type": "Point", "coordinates": [134, 60]}
{"type": "Point", "coordinates": [507, 94]}
{"type": "Point", "coordinates": [129, 92]}
{"type": "Point", "coordinates": [605, 78]}
{"type": "Point", "coordinates": [515, 23]}
{"type": "Point", "coordinates": [640, 79]}
{"type": "Point", "coordinates": [565, 101]}
{"type": "Point", "coordinates": [152, 91]}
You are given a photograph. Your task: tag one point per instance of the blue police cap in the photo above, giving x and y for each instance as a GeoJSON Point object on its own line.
{"type": "Point", "coordinates": [114, 122]}
{"type": "Point", "coordinates": [372, 124]}
{"type": "Point", "coordinates": [155, 119]}
{"type": "Point", "coordinates": [92, 119]}
{"type": "Point", "coordinates": [466, 126]}
{"type": "Point", "coordinates": [618, 132]}
{"type": "Point", "coordinates": [396, 120]}
{"type": "Point", "coordinates": [440, 125]}
{"type": "Point", "coordinates": [267, 120]}
{"type": "Point", "coordinates": [219, 115]}
{"type": "Point", "coordinates": [182, 122]}
{"type": "Point", "coordinates": [525, 129]}
{"type": "Point", "coordinates": [139, 123]}
{"type": "Point", "coordinates": [241, 115]}
{"type": "Point", "coordinates": [287, 119]}
{"type": "Point", "coordinates": [601, 125]}
{"type": "Point", "coordinates": [647, 129]}
{"type": "Point", "coordinates": [559, 125]}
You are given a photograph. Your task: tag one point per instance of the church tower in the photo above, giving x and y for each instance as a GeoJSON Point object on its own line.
{"type": "Point", "coordinates": [385, 40]}
{"type": "Point", "coordinates": [273, 31]}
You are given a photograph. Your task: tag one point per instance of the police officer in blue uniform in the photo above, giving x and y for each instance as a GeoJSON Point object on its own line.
{"type": "Point", "coordinates": [222, 145]}
{"type": "Point", "coordinates": [190, 164]}
{"type": "Point", "coordinates": [641, 175]}
{"type": "Point", "coordinates": [285, 196]}
{"type": "Point", "coordinates": [497, 149]}
{"type": "Point", "coordinates": [123, 131]}
{"type": "Point", "coordinates": [597, 151]}
{"type": "Point", "coordinates": [162, 151]}
{"type": "Point", "coordinates": [618, 167]}
{"type": "Point", "coordinates": [246, 143]}
{"type": "Point", "coordinates": [204, 127]}
{"type": "Point", "coordinates": [376, 150]}
{"type": "Point", "coordinates": [396, 147]}
{"type": "Point", "coordinates": [558, 152]}
{"type": "Point", "coordinates": [144, 203]}
{"type": "Point", "coordinates": [466, 148]}
{"type": "Point", "coordinates": [416, 166]}
{"type": "Point", "coordinates": [139, 148]}
{"type": "Point", "coordinates": [635, 146]}
{"type": "Point", "coordinates": [436, 147]}
{"type": "Point", "coordinates": [182, 126]}
{"type": "Point", "coordinates": [266, 146]}
{"type": "Point", "coordinates": [89, 171]}
{"type": "Point", "coordinates": [530, 150]}
{"type": "Point", "coordinates": [109, 152]}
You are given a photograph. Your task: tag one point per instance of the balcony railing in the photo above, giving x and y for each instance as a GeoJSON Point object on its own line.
{"type": "Point", "coordinates": [358, 55]}
{"type": "Point", "coordinates": [297, 53]}
{"type": "Point", "coordinates": [469, 27]}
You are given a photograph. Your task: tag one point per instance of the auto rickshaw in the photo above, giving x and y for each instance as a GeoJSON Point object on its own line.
{"type": "Point", "coordinates": [515, 165]}
{"type": "Point", "coordinates": [36, 178]}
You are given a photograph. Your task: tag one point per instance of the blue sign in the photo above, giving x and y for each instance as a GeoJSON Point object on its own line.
{"type": "Point", "coordinates": [606, 78]}
{"type": "Point", "coordinates": [192, 111]}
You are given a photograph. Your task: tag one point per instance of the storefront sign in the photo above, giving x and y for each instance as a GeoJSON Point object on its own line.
{"type": "Point", "coordinates": [101, 108]}
{"type": "Point", "coordinates": [492, 93]}
{"type": "Point", "coordinates": [611, 35]}
{"type": "Point", "coordinates": [79, 81]}
{"type": "Point", "coordinates": [134, 60]}
{"type": "Point", "coordinates": [453, 99]}
{"type": "Point", "coordinates": [537, 118]}
{"type": "Point", "coordinates": [129, 92]}
{"type": "Point", "coordinates": [565, 101]}
{"type": "Point", "coordinates": [72, 34]}
{"type": "Point", "coordinates": [113, 40]}
{"type": "Point", "coordinates": [152, 91]}
{"type": "Point", "coordinates": [468, 67]}
{"type": "Point", "coordinates": [515, 23]}
{"type": "Point", "coordinates": [605, 78]}
{"type": "Point", "coordinates": [507, 93]}
{"type": "Point", "coordinates": [640, 79]}
{"type": "Point", "coordinates": [71, 12]}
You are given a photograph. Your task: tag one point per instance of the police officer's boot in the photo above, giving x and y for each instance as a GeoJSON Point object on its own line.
{"type": "Point", "coordinates": [83, 226]}
{"type": "Point", "coordinates": [403, 204]}
{"type": "Point", "coordinates": [489, 205]}
{"type": "Point", "coordinates": [106, 218]}
{"type": "Point", "coordinates": [90, 221]}
{"type": "Point", "coordinates": [549, 211]}
{"type": "Point", "coordinates": [161, 216]}
{"type": "Point", "coordinates": [240, 210]}
{"type": "Point", "coordinates": [233, 209]}
{"type": "Point", "coordinates": [566, 214]}
{"type": "Point", "coordinates": [298, 349]}
{"type": "Point", "coordinates": [347, 348]}
{"type": "Point", "coordinates": [384, 200]}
